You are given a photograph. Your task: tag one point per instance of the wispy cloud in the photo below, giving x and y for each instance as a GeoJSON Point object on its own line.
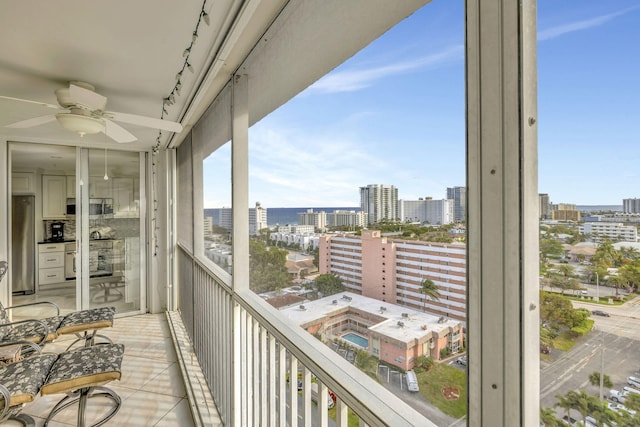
{"type": "Point", "coordinates": [553, 32]}
{"type": "Point", "coordinates": [288, 169]}
{"type": "Point", "coordinates": [352, 80]}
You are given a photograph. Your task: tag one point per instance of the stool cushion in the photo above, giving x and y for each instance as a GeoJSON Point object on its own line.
{"type": "Point", "coordinates": [84, 367]}
{"type": "Point", "coordinates": [24, 378]}
{"type": "Point", "coordinates": [31, 330]}
{"type": "Point", "coordinates": [79, 321]}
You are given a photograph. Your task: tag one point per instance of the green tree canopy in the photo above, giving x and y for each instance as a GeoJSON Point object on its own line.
{"type": "Point", "coordinates": [550, 248]}
{"type": "Point", "coordinates": [594, 379]}
{"type": "Point", "coordinates": [557, 311]}
{"type": "Point", "coordinates": [267, 269]}
{"type": "Point", "coordinates": [329, 284]}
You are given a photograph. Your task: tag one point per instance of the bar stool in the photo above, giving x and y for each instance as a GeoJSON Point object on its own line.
{"type": "Point", "coordinates": [81, 375]}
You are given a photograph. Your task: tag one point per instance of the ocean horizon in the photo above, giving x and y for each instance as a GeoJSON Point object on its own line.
{"type": "Point", "coordinates": [282, 216]}
{"type": "Point", "coordinates": [289, 216]}
{"type": "Point", "coordinates": [599, 208]}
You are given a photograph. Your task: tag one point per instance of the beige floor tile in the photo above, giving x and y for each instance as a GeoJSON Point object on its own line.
{"type": "Point", "coordinates": [180, 415]}
{"type": "Point", "coordinates": [151, 388]}
{"type": "Point", "coordinates": [168, 382]}
{"type": "Point", "coordinates": [138, 371]}
{"type": "Point", "coordinates": [145, 409]}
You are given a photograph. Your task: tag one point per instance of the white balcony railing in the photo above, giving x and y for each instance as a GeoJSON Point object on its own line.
{"type": "Point", "coordinates": [247, 352]}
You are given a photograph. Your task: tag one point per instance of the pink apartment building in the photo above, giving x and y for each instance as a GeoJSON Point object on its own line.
{"type": "Point", "coordinates": [393, 333]}
{"type": "Point", "coordinates": [392, 270]}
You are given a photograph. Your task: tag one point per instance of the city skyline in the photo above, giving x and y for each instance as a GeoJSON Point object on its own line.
{"type": "Point", "coordinates": [395, 114]}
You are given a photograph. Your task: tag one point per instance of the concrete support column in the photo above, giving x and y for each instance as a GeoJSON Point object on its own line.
{"type": "Point", "coordinates": [502, 213]}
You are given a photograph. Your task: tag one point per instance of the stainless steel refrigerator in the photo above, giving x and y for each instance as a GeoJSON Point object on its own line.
{"type": "Point", "coordinates": [23, 245]}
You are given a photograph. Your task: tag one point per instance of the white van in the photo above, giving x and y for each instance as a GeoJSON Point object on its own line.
{"type": "Point", "coordinates": [314, 396]}
{"type": "Point", "coordinates": [412, 381]}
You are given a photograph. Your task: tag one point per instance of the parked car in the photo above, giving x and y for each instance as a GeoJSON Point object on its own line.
{"type": "Point", "coordinates": [600, 313]}
{"type": "Point", "coordinates": [618, 396]}
{"type": "Point", "coordinates": [631, 389]}
{"type": "Point", "coordinates": [462, 360]}
{"type": "Point", "coordinates": [634, 382]}
{"type": "Point", "coordinates": [617, 407]}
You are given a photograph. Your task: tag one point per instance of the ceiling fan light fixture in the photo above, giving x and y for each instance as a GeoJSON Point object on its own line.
{"type": "Point", "coordinates": [80, 124]}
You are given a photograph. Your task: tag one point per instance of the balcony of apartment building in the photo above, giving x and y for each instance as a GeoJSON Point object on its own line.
{"type": "Point", "coordinates": [248, 58]}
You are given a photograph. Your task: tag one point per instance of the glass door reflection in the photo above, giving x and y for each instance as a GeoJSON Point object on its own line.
{"type": "Point", "coordinates": [114, 230]}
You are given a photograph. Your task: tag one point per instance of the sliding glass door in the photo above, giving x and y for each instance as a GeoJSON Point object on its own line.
{"type": "Point", "coordinates": [111, 191]}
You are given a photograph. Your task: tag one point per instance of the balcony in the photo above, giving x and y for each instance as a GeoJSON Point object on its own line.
{"type": "Point", "coordinates": [244, 353]}
{"type": "Point", "coordinates": [244, 350]}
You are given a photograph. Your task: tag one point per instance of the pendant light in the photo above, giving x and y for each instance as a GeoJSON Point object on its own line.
{"type": "Point", "coordinates": [106, 176]}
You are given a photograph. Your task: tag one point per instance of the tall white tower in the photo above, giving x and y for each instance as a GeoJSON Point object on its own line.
{"type": "Point", "coordinates": [379, 202]}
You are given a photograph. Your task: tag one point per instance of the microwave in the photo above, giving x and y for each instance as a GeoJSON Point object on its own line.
{"type": "Point", "coordinates": [96, 206]}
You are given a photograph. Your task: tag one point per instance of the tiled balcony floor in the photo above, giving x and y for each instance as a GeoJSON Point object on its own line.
{"type": "Point", "coordinates": [151, 388]}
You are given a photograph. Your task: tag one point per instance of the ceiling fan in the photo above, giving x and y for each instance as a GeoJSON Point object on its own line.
{"type": "Point", "coordinates": [82, 110]}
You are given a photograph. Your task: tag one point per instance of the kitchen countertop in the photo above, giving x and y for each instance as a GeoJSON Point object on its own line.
{"type": "Point", "coordinates": [44, 242]}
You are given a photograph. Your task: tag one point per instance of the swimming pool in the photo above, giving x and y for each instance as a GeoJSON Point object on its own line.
{"type": "Point", "coordinates": [356, 339]}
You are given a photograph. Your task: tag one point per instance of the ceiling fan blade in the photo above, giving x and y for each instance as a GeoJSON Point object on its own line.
{"type": "Point", "coordinates": [36, 121]}
{"type": "Point", "coordinates": [86, 97]}
{"type": "Point", "coordinates": [117, 132]}
{"type": "Point", "coordinates": [149, 122]}
{"type": "Point", "coordinates": [43, 104]}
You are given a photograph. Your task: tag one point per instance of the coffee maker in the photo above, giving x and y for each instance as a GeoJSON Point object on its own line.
{"type": "Point", "coordinates": [57, 231]}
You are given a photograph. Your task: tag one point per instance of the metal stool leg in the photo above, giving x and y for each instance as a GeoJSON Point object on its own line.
{"type": "Point", "coordinates": [80, 397]}
{"type": "Point", "coordinates": [89, 338]}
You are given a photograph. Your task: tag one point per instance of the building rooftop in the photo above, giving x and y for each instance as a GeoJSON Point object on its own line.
{"type": "Point", "coordinates": [412, 320]}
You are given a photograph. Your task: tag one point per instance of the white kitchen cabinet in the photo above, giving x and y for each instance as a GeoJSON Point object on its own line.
{"type": "Point", "coordinates": [23, 182]}
{"type": "Point", "coordinates": [50, 263]}
{"type": "Point", "coordinates": [71, 186]}
{"type": "Point", "coordinates": [99, 188]}
{"type": "Point", "coordinates": [54, 196]}
{"type": "Point", "coordinates": [124, 197]}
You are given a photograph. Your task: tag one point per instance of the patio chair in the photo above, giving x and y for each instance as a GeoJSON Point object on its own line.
{"type": "Point", "coordinates": [21, 380]}
{"type": "Point", "coordinates": [84, 324]}
{"type": "Point", "coordinates": [81, 374]}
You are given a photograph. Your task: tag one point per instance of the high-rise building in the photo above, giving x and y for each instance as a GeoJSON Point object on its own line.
{"type": "Point", "coordinates": [427, 210]}
{"type": "Point", "coordinates": [257, 219]}
{"type": "Point", "coordinates": [317, 219]}
{"type": "Point", "coordinates": [342, 218]}
{"type": "Point", "coordinates": [393, 270]}
{"type": "Point", "coordinates": [563, 207]}
{"type": "Point", "coordinates": [545, 206]}
{"type": "Point", "coordinates": [459, 197]}
{"type": "Point", "coordinates": [208, 226]}
{"type": "Point", "coordinates": [379, 202]}
{"type": "Point", "coordinates": [566, 215]}
{"type": "Point", "coordinates": [631, 205]}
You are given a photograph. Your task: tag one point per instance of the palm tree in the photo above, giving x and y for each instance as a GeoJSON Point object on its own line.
{"type": "Point", "coordinates": [567, 270]}
{"type": "Point", "coordinates": [582, 402]}
{"type": "Point", "coordinates": [430, 289]}
{"type": "Point", "coordinates": [548, 417]}
{"type": "Point", "coordinates": [564, 403]}
{"type": "Point", "coordinates": [617, 281]}
{"type": "Point", "coordinates": [594, 379]}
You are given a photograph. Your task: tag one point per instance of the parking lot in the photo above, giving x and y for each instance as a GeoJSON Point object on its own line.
{"type": "Point", "coordinates": [618, 335]}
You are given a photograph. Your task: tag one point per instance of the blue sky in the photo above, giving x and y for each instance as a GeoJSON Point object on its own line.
{"type": "Point", "coordinates": [394, 113]}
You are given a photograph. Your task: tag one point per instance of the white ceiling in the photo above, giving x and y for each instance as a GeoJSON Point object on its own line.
{"type": "Point", "coordinates": [130, 51]}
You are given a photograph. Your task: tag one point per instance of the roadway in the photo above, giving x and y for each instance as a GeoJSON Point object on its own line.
{"type": "Point", "coordinates": [620, 335]}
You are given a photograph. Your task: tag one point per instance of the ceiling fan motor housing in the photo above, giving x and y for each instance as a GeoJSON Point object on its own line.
{"type": "Point", "coordinates": [66, 100]}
